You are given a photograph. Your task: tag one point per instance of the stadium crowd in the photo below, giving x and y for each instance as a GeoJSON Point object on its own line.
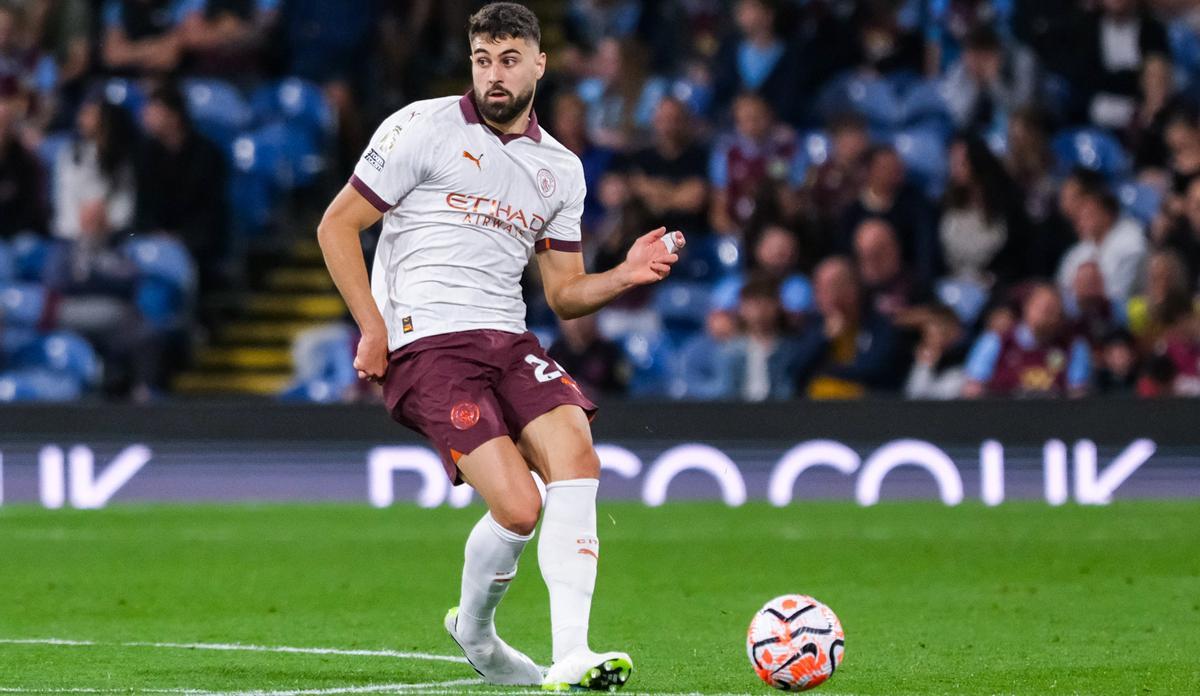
{"type": "Point", "coordinates": [932, 198]}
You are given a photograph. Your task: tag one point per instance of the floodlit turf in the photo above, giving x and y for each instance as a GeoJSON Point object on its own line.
{"type": "Point", "coordinates": [1022, 599]}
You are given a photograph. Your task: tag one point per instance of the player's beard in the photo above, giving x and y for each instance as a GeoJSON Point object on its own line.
{"type": "Point", "coordinates": [506, 112]}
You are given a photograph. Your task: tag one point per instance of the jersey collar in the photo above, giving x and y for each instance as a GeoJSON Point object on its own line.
{"type": "Point", "coordinates": [470, 112]}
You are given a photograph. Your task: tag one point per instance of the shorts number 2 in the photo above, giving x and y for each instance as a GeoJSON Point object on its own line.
{"type": "Point", "coordinates": [539, 369]}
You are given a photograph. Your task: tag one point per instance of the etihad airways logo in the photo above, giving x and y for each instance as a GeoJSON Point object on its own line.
{"type": "Point", "coordinates": [494, 213]}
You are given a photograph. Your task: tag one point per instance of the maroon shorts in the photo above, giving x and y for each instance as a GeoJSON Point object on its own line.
{"type": "Point", "coordinates": [462, 389]}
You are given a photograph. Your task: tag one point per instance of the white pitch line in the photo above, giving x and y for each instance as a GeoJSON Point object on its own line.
{"type": "Point", "coordinates": [244, 648]}
{"type": "Point", "coordinates": [371, 689]}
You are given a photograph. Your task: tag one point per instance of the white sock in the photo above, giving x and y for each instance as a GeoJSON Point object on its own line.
{"type": "Point", "coordinates": [491, 563]}
{"type": "Point", "coordinates": [568, 553]}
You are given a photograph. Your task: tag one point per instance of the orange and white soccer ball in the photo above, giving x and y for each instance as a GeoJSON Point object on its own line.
{"type": "Point", "coordinates": [795, 643]}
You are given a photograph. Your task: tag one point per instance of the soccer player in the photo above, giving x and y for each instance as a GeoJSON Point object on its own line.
{"type": "Point", "coordinates": [469, 188]}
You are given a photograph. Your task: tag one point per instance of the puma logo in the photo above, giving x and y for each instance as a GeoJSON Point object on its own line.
{"type": "Point", "coordinates": [476, 160]}
{"type": "Point", "coordinates": [589, 552]}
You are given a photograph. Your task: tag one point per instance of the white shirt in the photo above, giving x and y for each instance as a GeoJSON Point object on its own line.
{"type": "Point", "coordinates": [1120, 256]}
{"type": "Point", "coordinates": [79, 181]}
{"type": "Point", "coordinates": [464, 208]}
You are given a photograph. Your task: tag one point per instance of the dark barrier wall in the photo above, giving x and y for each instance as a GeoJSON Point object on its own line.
{"type": "Point", "coordinates": [1087, 451]}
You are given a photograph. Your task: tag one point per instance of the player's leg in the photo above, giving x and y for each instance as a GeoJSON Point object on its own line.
{"type": "Point", "coordinates": [501, 477]}
{"type": "Point", "coordinates": [558, 445]}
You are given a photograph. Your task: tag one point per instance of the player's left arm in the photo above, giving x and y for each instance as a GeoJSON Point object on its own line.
{"type": "Point", "coordinates": [573, 292]}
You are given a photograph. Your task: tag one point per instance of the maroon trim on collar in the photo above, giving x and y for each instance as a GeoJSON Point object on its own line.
{"type": "Point", "coordinates": [470, 112]}
{"type": "Point", "coordinates": [552, 244]}
{"type": "Point", "coordinates": [365, 190]}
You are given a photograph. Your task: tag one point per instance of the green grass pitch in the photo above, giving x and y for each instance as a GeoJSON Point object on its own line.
{"type": "Point", "coordinates": [1020, 599]}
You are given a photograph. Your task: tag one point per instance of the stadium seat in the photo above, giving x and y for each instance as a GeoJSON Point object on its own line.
{"type": "Point", "coordinates": [218, 108]}
{"type": "Point", "coordinates": [965, 297]}
{"type": "Point", "coordinates": [1091, 148]}
{"type": "Point", "coordinates": [38, 385]}
{"type": "Point", "coordinates": [23, 304]}
{"type": "Point", "coordinates": [287, 157]}
{"type": "Point", "coordinates": [651, 356]}
{"type": "Point", "coordinates": [872, 97]}
{"type": "Point", "coordinates": [1185, 47]}
{"type": "Point", "coordinates": [324, 363]}
{"type": "Point", "coordinates": [924, 153]}
{"type": "Point", "coordinates": [923, 106]}
{"type": "Point", "coordinates": [167, 278]}
{"type": "Point", "coordinates": [14, 339]}
{"type": "Point", "coordinates": [683, 305]}
{"type": "Point", "coordinates": [813, 151]}
{"type": "Point", "coordinates": [31, 253]}
{"type": "Point", "coordinates": [61, 353]}
{"type": "Point", "coordinates": [126, 94]}
{"type": "Point", "coordinates": [709, 257]}
{"type": "Point", "coordinates": [8, 263]}
{"type": "Point", "coordinates": [296, 101]}
{"type": "Point", "coordinates": [1141, 201]}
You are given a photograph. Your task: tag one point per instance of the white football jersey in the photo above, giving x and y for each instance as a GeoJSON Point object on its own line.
{"type": "Point", "coordinates": [464, 210]}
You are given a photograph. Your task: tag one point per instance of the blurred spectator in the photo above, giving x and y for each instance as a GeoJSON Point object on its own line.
{"type": "Point", "coordinates": [1114, 43]}
{"type": "Point", "coordinates": [226, 36]}
{"type": "Point", "coordinates": [63, 33]}
{"type": "Point", "coordinates": [847, 349]}
{"type": "Point", "coordinates": [95, 187]}
{"type": "Point", "coordinates": [140, 36]}
{"type": "Point", "coordinates": [1089, 307]}
{"type": "Point", "coordinates": [668, 176]}
{"type": "Point", "coordinates": [181, 183]}
{"type": "Point", "coordinates": [1167, 294]}
{"type": "Point", "coordinates": [591, 21]}
{"type": "Point", "coordinates": [887, 194]}
{"type": "Point", "coordinates": [885, 45]}
{"type": "Point", "coordinates": [891, 289]}
{"type": "Point", "coordinates": [1158, 101]}
{"type": "Point", "coordinates": [1030, 164]}
{"type": "Point", "coordinates": [988, 83]}
{"type": "Point", "coordinates": [758, 60]}
{"type": "Point", "coordinates": [938, 371]}
{"type": "Point", "coordinates": [1114, 242]}
{"type": "Point", "coordinates": [831, 186]}
{"type": "Point", "coordinates": [1118, 370]}
{"type": "Point", "coordinates": [759, 360]}
{"type": "Point", "coordinates": [17, 57]}
{"type": "Point", "coordinates": [21, 181]}
{"type": "Point", "coordinates": [621, 96]}
{"type": "Point", "coordinates": [746, 164]}
{"type": "Point", "coordinates": [984, 231]}
{"type": "Point", "coordinates": [776, 251]}
{"type": "Point", "coordinates": [1175, 357]}
{"type": "Point", "coordinates": [1039, 357]}
{"type": "Point", "coordinates": [570, 129]}
{"type": "Point", "coordinates": [1183, 237]}
{"type": "Point", "coordinates": [1181, 134]}
{"type": "Point", "coordinates": [595, 362]}
{"type": "Point", "coordinates": [704, 369]}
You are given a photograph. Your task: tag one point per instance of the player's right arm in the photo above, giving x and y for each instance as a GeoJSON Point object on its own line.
{"type": "Point", "coordinates": [348, 215]}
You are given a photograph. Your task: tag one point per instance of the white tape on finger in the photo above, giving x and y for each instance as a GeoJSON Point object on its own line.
{"type": "Point", "coordinates": [672, 245]}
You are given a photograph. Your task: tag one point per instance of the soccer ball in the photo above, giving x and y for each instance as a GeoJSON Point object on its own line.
{"type": "Point", "coordinates": [795, 643]}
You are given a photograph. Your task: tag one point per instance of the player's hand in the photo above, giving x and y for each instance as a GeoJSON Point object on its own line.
{"type": "Point", "coordinates": [650, 258]}
{"type": "Point", "coordinates": [371, 360]}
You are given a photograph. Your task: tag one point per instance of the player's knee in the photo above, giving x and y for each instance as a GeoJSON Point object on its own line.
{"type": "Point", "coordinates": [519, 517]}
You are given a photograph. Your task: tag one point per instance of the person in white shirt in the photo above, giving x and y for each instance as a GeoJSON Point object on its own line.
{"type": "Point", "coordinates": [469, 188]}
{"type": "Point", "coordinates": [1114, 242]}
{"type": "Point", "coordinates": [94, 187]}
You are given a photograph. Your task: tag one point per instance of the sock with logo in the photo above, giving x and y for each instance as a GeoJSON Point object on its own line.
{"type": "Point", "coordinates": [568, 552]}
{"type": "Point", "coordinates": [491, 564]}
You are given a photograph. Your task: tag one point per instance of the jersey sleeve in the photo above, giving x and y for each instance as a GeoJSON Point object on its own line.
{"type": "Point", "coordinates": [397, 160]}
{"type": "Point", "coordinates": [562, 233]}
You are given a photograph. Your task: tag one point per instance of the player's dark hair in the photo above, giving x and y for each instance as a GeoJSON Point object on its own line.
{"type": "Point", "coordinates": [505, 20]}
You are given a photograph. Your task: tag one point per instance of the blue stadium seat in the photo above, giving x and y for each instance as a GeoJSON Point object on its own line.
{"type": "Point", "coordinates": [324, 364]}
{"type": "Point", "coordinates": [1091, 148]}
{"type": "Point", "coordinates": [683, 304]}
{"type": "Point", "coordinates": [651, 356]}
{"type": "Point", "coordinates": [38, 385]}
{"type": "Point", "coordinates": [162, 256]}
{"type": "Point", "coordinates": [8, 263]}
{"type": "Point", "coordinates": [814, 150]}
{"type": "Point", "coordinates": [965, 297]}
{"type": "Point", "coordinates": [924, 153]}
{"type": "Point", "coordinates": [287, 157]}
{"type": "Point", "coordinates": [31, 253]}
{"type": "Point", "coordinates": [1185, 47]}
{"type": "Point", "coordinates": [296, 101]}
{"type": "Point", "coordinates": [126, 94]}
{"type": "Point", "coordinates": [873, 97]}
{"type": "Point", "coordinates": [22, 304]}
{"type": "Point", "coordinates": [62, 353]}
{"type": "Point", "coordinates": [1139, 200]}
{"type": "Point", "coordinates": [923, 106]}
{"type": "Point", "coordinates": [709, 257]}
{"type": "Point", "coordinates": [14, 339]}
{"type": "Point", "coordinates": [218, 108]}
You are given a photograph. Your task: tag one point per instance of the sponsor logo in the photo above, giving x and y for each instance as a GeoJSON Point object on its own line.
{"type": "Point", "coordinates": [406, 325]}
{"type": "Point", "coordinates": [375, 159]}
{"type": "Point", "coordinates": [546, 182]}
{"type": "Point", "coordinates": [477, 160]}
{"type": "Point", "coordinates": [464, 415]}
{"type": "Point", "coordinates": [492, 212]}
{"type": "Point", "coordinates": [388, 142]}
